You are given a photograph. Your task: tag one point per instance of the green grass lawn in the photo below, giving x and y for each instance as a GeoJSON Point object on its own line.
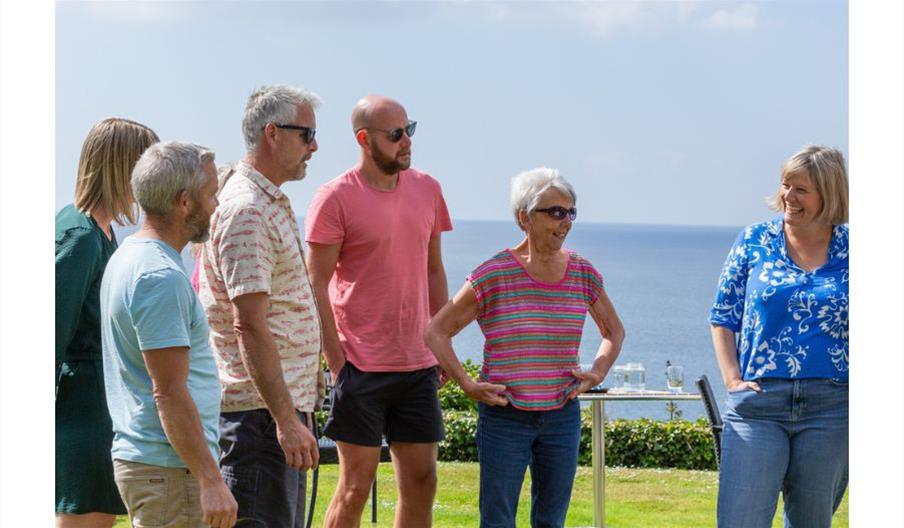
{"type": "Point", "coordinates": [634, 498]}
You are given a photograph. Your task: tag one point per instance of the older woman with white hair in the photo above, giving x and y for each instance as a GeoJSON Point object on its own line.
{"type": "Point", "coordinates": [530, 302]}
{"type": "Point", "coordinates": [780, 331]}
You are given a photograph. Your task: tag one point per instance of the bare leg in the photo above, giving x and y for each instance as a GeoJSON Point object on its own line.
{"type": "Point", "coordinates": [357, 468]}
{"type": "Point", "coordinates": [415, 468]}
{"type": "Point", "coordinates": [85, 520]}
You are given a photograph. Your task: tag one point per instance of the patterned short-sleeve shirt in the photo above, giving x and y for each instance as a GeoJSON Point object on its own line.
{"type": "Point", "coordinates": [255, 246]}
{"type": "Point", "coordinates": [791, 323]}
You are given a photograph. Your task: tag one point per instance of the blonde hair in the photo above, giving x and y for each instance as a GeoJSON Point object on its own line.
{"type": "Point", "coordinates": [109, 153]}
{"type": "Point", "coordinates": [826, 168]}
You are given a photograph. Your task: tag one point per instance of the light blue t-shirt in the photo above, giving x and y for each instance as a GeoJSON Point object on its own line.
{"type": "Point", "coordinates": [790, 323]}
{"type": "Point", "coordinates": [147, 303]}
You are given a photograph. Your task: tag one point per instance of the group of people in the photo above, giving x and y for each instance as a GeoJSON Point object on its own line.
{"type": "Point", "coordinates": [188, 401]}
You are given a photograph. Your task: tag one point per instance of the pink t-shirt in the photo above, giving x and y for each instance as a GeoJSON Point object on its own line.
{"type": "Point", "coordinates": [379, 291]}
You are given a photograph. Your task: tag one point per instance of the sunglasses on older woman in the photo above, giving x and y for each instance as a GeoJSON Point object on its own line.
{"type": "Point", "coordinates": [559, 213]}
{"type": "Point", "coordinates": [396, 133]}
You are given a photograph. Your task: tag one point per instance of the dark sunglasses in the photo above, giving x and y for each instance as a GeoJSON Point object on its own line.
{"type": "Point", "coordinates": [559, 213]}
{"type": "Point", "coordinates": [309, 132]}
{"type": "Point", "coordinates": [396, 133]}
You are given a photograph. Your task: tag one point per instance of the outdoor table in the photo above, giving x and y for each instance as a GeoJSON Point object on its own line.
{"type": "Point", "coordinates": [597, 408]}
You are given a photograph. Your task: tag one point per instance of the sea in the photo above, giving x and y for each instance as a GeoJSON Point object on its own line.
{"type": "Point", "coordinates": [662, 280]}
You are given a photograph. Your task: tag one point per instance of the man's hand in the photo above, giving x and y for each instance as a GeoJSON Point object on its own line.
{"type": "Point", "coordinates": [443, 376]}
{"type": "Point", "coordinates": [334, 367]}
{"type": "Point", "coordinates": [488, 393]}
{"type": "Point", "coordinates": [218, 506]}
{"type": "Point", "coordinates": [298, 444]}
{"type": "Point", "coordinates": [587, 378]}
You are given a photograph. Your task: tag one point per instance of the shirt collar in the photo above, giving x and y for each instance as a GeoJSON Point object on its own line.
{"type": "Point", "coordinates": [838, 247]}
{"type": "Point", "coordinates": [260, 180]}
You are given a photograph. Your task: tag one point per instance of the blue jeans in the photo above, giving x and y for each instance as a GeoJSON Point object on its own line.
{"type": "Point", "coordinates": [269, 493]}
{"type": "Point", "coordinates": [508, 441]}
{"type": "Point", "coordinates": [791, 438]}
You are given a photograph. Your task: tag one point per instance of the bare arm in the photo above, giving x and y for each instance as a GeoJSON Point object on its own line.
{"type": "Point", "coordinates": [613, 333]}
{"type": "Point", "coordinates": [168, 369]}
{"type": "Point", "coordinates": [321, 262]}
{"type": "Point", "coordinates": [261, 360]}
{"type": "Point", "coordinates": [450, 320]}
{"type": "Point", "coordinates": [727, 356]}
{"type": "Point", "coordinates": [437, 286]}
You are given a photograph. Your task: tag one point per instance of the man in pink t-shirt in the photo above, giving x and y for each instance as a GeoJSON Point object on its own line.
{"type": "Point", "coordinates": [377, 273]}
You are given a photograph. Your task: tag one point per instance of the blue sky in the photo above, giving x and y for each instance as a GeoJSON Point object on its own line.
{"type": "Point", "coordinates": [666, 112]}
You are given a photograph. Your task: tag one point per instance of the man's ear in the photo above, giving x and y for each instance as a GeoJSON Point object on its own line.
{"type": "Point", "coordinates": [183, 199]}
{"type": "Point", "coordinates": [269, 132]}
{"type": "Point", "coordinates": [362, 138]}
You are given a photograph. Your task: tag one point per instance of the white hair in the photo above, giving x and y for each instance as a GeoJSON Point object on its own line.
{"type": "Point", "coordinates": [528, 186]}
{"type": "Point", "coordinates": [273, 104]}
{"type": "Point", "coordinates": [164, 171]}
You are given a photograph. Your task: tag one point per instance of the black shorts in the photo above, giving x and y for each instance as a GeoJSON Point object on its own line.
{"type": "Point", "coordinates": [402, 406]}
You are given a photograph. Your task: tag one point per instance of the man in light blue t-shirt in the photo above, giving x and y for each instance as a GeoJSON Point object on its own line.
{"type": "Point", "coordinates": [163, 391]}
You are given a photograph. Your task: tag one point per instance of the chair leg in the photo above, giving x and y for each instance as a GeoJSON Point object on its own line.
{"type": "Point", "coordinates": [315, 477]}
{"type": "Point", "coordinates": [373, 502]}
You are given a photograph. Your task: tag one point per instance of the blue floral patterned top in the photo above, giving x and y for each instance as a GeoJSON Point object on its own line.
{"type": "Point", "coordinates": [791, 323]}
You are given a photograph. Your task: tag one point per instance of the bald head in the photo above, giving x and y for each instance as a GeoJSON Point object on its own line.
{"type": "Point", "coordinates": [371, 109]}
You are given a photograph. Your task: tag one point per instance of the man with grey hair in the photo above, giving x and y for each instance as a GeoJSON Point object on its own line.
{"type": "Point", "coordinates": [265, 330]}
{"type": "Point", "coordinates": [161, 380]}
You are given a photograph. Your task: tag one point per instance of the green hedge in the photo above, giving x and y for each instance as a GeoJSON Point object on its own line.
{"type": "Point", "coordinates": [640, 443]}
{"type": "Point", "coordinates": [452, 398]}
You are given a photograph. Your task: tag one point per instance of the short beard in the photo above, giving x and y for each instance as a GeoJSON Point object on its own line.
{"type": "Point", "coordinates": [299, 174]}
{"type": "Point", "coordinates": [386, 163]}
{"type": "Point", "coordinates": [200, 232]}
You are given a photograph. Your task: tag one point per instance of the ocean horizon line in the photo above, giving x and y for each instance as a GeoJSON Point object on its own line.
{"type": "Point", "coordinates": [300, 219]}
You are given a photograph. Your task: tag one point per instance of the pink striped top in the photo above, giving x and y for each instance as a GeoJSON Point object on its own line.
{"type": "Point", "coordinates": [533, 328]}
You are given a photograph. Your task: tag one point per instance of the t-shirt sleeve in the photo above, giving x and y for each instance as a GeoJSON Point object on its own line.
{"type": "Point", "coordinates": [78, 259]}
{"type": "Point", "coordinates": [728, 307]}
{"type": "Point", "coordinates": [475, 285]}
{"type": "Point", "coordinates": [442, 221]}
{"type": "Point", "coordinates": [594, 282]}
{"type": "Point", "coordinates": [246, 253]}
{"type": "Point", "coordinates": [479, 280]}
{"type": "Point", "coordinates": [324, 223]}
{"type": "Point", "coordinates": [161, 310]}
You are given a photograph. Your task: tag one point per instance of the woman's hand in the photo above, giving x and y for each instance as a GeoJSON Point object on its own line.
{"type": "Point", "coordinates": [488, 393]}
{"type": "Point", "coordinates": [587, 380]}
{"type": "Point", "coordinates": [737, 384]}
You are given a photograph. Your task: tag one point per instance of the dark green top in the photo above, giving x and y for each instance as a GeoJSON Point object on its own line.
{"type": "Point", "coordinates": [84, 433]}
{"type": "Point", "coordinates": [82, 252]}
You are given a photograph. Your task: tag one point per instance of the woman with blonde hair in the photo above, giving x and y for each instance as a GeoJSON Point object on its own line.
{"type": "Point", "coordinates": [86, 494]}
{"type": "Point", "coordinates": [780, 332]}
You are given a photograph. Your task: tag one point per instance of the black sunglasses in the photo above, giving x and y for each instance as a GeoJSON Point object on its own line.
{"type": "Point", "coordinates": [559, 213]}
{"type": "Point", "coordinates": [309, 132]}
{"type": "Point", "coordinates": [396, 133]}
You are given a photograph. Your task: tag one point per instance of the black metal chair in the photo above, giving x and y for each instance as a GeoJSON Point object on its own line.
{"type": "Point", "coordinates": [329, 454]}
{"type": "Point", "coordinates": [712, 413]}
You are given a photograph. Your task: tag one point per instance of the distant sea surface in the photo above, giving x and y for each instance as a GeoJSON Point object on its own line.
{"type": "Point", "coordinates": [661, 279]}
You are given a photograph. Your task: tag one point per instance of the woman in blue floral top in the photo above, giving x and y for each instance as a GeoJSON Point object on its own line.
{"type": "Point", "coordinates": [780, 331]}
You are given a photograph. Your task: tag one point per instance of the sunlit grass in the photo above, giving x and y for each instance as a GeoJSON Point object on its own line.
{"type": "Point", "coordinates": [634, 498]}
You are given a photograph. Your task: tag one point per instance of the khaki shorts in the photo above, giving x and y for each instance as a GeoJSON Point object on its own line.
{"type": "Point", "coordinates": [158, 497]}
